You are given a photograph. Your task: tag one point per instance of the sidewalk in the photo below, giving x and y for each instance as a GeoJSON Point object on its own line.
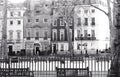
{"type": "Point", "coordinates": [53, 74]}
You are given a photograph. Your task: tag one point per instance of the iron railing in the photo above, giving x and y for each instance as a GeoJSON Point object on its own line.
{"type": "Point", "coordinates": [45, 66]}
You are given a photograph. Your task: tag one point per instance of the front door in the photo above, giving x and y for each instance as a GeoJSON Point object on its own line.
{"type": "Point", "coordinates": [10, 49]}
{"type": "Point", "coordinates": [54, 48]}
{"type": "Point", "coordinates": [37, 50]}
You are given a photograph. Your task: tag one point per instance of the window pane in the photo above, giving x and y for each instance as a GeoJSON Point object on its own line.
{"type": "Point", "coordinates": [45, 20]}
{"type": "Point", "coordinates": [78, 33]}
{"type": "Point", "coordinates": [93, 10]}
{"type": "Point", "coordinates": [37, 34]}
{"type": "Point", "coordinates": [11, 35]}
{"type": "Point", "coordinates": [18, 35]}
{"type": "Point", "coordinates": [93, 33]}
{"type": "Point", "coordinates": [62, 47]}
{"type": "Point", "coordinates": [93, 21]}
{"type": "Point", "coordinates": [11, 22]}
{"type": "Point", "coordinates": [37, 20]}
{"type": "Point", "coordinates": [19, 13]}
{"type": "Point", "coordinates": [55, 22]}
{"type": "Point", "coordinates": [19, 22]}
{"type": "Point", "coordinates": [54, 36]}
{"type": "Point", "coordinates": [86, 11]}
{"type": "Point", "coordinates": [11, 13]}
{"type": "Point", "coordinates": [28, 20]}
{"type": "Point", "coordinates": [78, 46]}
{"type": "Point", "coordinates": [85, 33]}
{"type": "Point", "coordinates": [86, 21]}
{"type": "Point", "coordinates": [79, 21]}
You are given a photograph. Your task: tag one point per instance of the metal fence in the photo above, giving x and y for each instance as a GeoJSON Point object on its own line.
{"type": "Point", "coordinates": [56, 66]}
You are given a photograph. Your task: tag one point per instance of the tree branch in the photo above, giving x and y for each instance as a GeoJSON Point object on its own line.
{"type": "Point", "coordinates": [100, 9]}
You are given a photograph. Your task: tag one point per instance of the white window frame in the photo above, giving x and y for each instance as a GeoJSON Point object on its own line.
{"type": "Point", "coordinates": [78, 33]}
{"type": "Point", "coordinates": [10, 34]}
{"type": "Point", "coordinates": [19, 13]}
{"type": "Point", "coordinates": [79, 21]}
{"type": "Point", "coordinates": [93, 34]}
{"type": "Point", "coordinates": [86, 23]}
{"type": "Point", "coordinates": [62, 31]}
{"type": "Point", "coordinates": [93, 21]}
{"type": "Point", "coordinates": [44, 20]}
{"type": "Point", "coordinates": [61, 22]}
{"type": "Point", "coordinates": [18, 31]}
{"type": "Point", "coordinates": [85, 33]}
{"type": "Point", "coordinates": [53, 36]}
{"type": "Point", "coordinates": [62, 47]}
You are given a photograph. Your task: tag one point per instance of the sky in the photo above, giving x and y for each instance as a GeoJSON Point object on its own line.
{"type": "Point", "coordinates": [16, 1]}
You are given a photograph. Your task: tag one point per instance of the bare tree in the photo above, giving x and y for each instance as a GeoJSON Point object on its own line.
{"type": "Point", "coordinates": [4, 31]}
{"type": "Point", "coordinates": [66, 8]}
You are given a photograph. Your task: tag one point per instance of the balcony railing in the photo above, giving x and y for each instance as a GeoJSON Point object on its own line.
{"type": "Point", "coordinates": [18, 41]}
{"type": "Point", "coordinates": [36, 38]}
{"type": "Point", "coordinates": [45, 38]}
{"type": "Point", "coordinates": [85, 38]}
{"type": "Point", "coordinates": [28, 38]}
{"type": "Point", "coordinates": [54, 39]}
{"type": "Point", "coordinates": [10, 41]}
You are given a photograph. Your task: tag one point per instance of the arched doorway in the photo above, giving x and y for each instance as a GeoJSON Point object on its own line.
{"type": "Point", "coordinates": [36, 49]}
{"type": "Point", "coordinates": [10, 50]}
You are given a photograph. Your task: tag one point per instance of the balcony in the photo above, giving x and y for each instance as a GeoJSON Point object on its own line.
{"type": "Point", "coordinates": [36, 38]}
{"type": "Point", "coordinates": [85, 38]}
{"type": "Point", "coordinates": [18, 41]}
{"type": "Point", "coordinates": [79, 38]}
{"type": "Point", "coordinates": [28, 38]}
{"type": "Point", "coordinates": [45, 38]}
{"type": "Point", "coordinates": [10, 41]}
{"type": "Point", "coordinates": [54, 39]}
{"type": "Point", "coordinates": [86, 24]}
